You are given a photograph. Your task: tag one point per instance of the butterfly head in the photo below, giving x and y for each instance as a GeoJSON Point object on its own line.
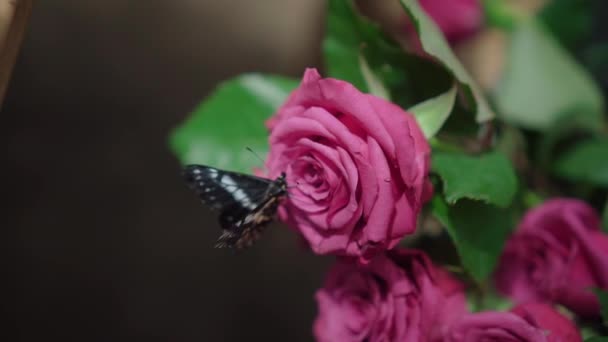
{"type": "Point", "coordinates": [281, 184]}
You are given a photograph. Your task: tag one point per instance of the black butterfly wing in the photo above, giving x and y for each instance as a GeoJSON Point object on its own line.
{"type": "Point", "coordinates": [242, 199]}
{"type": "Point", "coordinates": [220, 189]}
{"type": "Point", "coordinates": [242, 228]}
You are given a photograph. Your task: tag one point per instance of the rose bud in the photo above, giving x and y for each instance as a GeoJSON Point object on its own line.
{"type": "Point", "coordinates": [457, 19]}
{"type": "Point", "coordinates": [558, 254]}
{"type": "Point", "coordinates": [356, 167]}
{"type": "Point", "coordinates": [400, 296]}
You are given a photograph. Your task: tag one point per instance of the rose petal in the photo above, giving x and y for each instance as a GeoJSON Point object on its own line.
{"type": "Point", "coordinates": [381, 215]}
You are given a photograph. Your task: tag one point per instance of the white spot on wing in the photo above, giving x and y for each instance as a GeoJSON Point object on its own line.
{"type": "Point", "coordinates": [239, 195]}
{"type": "Point", "coordinates": [213, 173]}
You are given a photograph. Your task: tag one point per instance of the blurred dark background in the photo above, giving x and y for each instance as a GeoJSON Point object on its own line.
{"type": "Point", "coordinates": [104, 241]}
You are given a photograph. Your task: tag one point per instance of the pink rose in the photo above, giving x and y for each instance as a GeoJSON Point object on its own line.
{"type": "Point", "coordinates": [457, 19]}
{"type": "Point", "coordinates": [356, 165]}
{"type": "Point", "coordinates": [558, 254]}
{"type": "Point", "coordinates": [558, 328]}
{"type": "Point", "coordinates": [532, 322]}
{"type": "Point", "coordinates": [400, 296]}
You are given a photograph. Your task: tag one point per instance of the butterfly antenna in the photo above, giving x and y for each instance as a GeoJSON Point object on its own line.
{"type": "Point", "coordinates": [258, 156]}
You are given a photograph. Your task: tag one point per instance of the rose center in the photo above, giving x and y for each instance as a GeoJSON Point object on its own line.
{"type": "Point", "coordinates": [312, 175]}
{"type": "Point", "coordinates": [309, 175]}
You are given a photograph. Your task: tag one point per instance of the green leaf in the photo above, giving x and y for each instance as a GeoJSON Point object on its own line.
{"type": "Point", "coordinates": [532, 199]}
{"type": "Point", "coordinates": [356, 50]}
{"type": "Point", "coordinates": [542, 81]}
{"type": "Point", "coordinates": [573, 124]}
{"type": "Point", "coordinates": [374, 84]}
{"type": "Point", "coordinates": [501, 14]}
{"type": "Point", "coordinates": [432, 113]}
{"type": "Point", "coordinates": [585, 162]}
{"type": "Point", "coordinates": [489, 177]}
{"type": "Point", "coordinates": [229, 120]}
{"type": "Point", "coordinates": [597, 339]}
{"type": "Point", "coordinates": [478, 231]}
{"type": "Point", "coordinates": [490, 301]}
{"type": "Point", "coordinates": [345, 36]}
{"type": "Point", "coordinates": [434, 44]}
{"type": "Point", "coordinates": [570, 21]}
{"type": "Point", "coordinates": [603, 298]}
{"type": "Point", "coordinates": [511, 142]}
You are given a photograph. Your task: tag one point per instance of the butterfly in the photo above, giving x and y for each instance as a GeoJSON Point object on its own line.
{"type": "Point", "coordinates": [246, 203]}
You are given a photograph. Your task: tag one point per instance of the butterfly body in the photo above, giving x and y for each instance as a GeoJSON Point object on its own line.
{"type": "Point", "coordinates": [246, 203]}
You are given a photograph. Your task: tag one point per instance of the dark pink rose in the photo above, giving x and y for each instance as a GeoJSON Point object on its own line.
{"type": "Point", "coordinates": [400, 296]}
{"type": "Point", "coordinates": [457, 19]}
{"type": "Point", "coordinates": [356, 165]}
{"type": "Point", "coordinates": [557, 327]}
{"type": "Point", "coordinates": [526, 323]}
{"type": "Point", "coordinates": [558, 254]}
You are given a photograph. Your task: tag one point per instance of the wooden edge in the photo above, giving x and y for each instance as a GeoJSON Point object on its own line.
{"type": "Point", "coordinates": [21, 10]}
